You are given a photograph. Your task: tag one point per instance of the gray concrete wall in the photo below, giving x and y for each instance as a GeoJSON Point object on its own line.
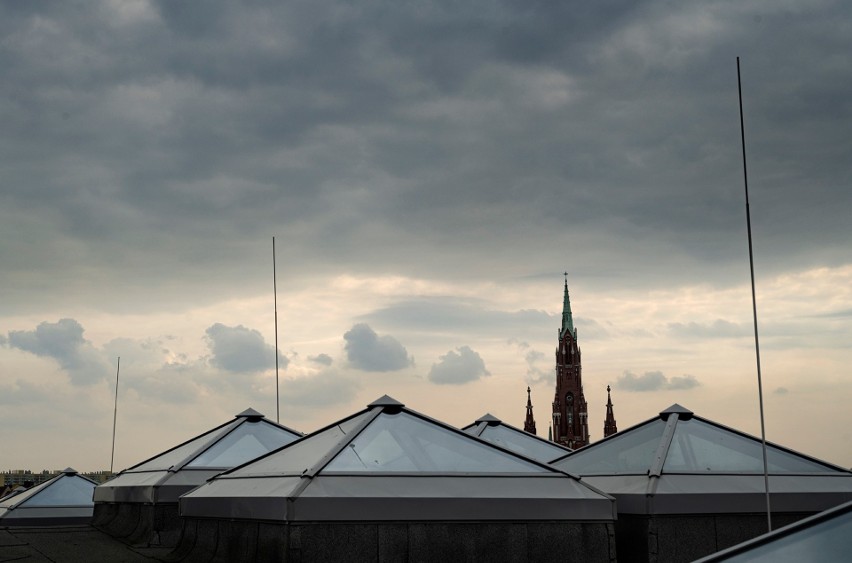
{"type": "Point", "coordinates": [137, 524]}
{"type": "Point", "coordinates": [684, 538]}
{"type": "Point", "coordinates": [493, 542]}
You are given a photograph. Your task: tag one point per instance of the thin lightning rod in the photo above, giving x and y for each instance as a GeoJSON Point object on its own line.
{"type": "Point", "coordinates": [754, 305]}
{"type": "Point", "coordinates": [114, 414]}
{"type": "Point", "coordinates": [275, 300]}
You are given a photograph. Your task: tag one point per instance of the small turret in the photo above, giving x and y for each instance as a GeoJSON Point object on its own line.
{"type": "Point", "coordinates": [529, 422]}
{"type": "Point", "coordinates": [610, 427]}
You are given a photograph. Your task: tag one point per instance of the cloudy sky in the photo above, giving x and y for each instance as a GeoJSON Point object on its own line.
{"type": "Point", "coordinates": [428, 171]}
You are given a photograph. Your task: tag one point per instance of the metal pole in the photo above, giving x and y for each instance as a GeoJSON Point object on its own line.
{"type": "Point", "coordinates": [115, 414]}
{"type": "Point", "coordinates": [754, 305]}
{"type": "Point", "coordinates": [275, 300]}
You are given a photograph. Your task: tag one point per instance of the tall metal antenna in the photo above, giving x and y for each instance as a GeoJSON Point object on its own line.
{"type": "Point", "coordinates": [275, 300]}
{"type": "Point", "coordinates": [754, 305]}
{"type": "Point", "coordinates": [115, 413]}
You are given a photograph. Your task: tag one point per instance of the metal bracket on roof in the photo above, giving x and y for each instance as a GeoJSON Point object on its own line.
{"type": "Point", "coordinates": [665, 441]}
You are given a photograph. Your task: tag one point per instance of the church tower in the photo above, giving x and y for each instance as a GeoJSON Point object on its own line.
{"type": "Point", "coordinates": [529, 422]}
{"type": "Point", "coordinates": [609, 424]}
{"type": "Point", "coordinates": [570, 414]}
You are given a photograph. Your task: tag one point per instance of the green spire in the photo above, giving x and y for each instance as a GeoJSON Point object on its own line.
{"type": "Point", "coordinates": [567, 319]}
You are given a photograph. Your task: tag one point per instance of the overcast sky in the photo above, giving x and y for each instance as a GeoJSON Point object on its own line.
{"type": "Point", "coordinates": [428, 171]}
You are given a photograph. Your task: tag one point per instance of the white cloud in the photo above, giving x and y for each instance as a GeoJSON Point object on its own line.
{"type": "Point", "coordinates": [63, 341]}
{"type": "Point", "coordinates": [325, 389]}
{"type": "Point", "coordinates": [368, 351]}
{"type": "Point", "coordinates": [719, 328]}
{"type": "Point", "coordinates": [322, 359]}
{"type": "Point", "coordinates": [655, 381]}
{"type": "Point", "coordinates": [20, 392]}
{"type": "Point", "coordinates": [238, 349]}
{"type": "Point", "coordinates": [458, 366]}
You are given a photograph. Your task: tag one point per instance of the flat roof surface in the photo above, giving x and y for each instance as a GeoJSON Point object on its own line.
{"type": "Point", "coordinates": [71, 544]}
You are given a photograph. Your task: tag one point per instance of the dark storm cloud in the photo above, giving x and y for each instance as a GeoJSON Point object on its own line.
{"type": "Point", "coordinates": [457, 367]}
{"type": "Point", "coordinates": [240, 350]}
{"type": "Point", "coordinates": [368, 351]}
{"type": "Point", "coordinates": [655, 381]}
{"type": "Point", "coordinates": [63, 341]}
{"type": "Point", "coordinates": [153, 141]}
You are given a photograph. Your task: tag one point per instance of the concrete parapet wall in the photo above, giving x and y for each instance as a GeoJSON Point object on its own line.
{"type": "Point", "coordinates": [137, 524]}
{"type": "Point", "coordinates": [233, 541]}
{"type": "Point", "coordinates": [682, 538]}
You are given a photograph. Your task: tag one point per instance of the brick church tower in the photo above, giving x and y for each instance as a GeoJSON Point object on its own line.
{"type": "Point", "coordinates": [570, 414]}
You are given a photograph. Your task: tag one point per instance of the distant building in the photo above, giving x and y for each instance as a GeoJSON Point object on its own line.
{"type": "Point", "coordinates": [570, 413]}
{"type": "Point", "coordinates": [26, 477]}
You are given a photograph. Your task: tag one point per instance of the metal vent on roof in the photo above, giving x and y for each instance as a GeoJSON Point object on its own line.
{"type": "Point", "coordinates": [682, 412]}
{"type": "Point", "coordinates": [251, 414]}
{"type": "Point", "coordinates": [389, 404]}
{"type": "Point", "coordinates": [69, 471]}
{"type": "Point", "coordinates": [489, 418]}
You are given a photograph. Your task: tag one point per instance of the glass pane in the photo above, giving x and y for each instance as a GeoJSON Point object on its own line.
{"type": "Point", "coordinates": [12, 500]}
{"type": "Point", "coordinates": [66, 491]}
{"type": "Point", "coordinates": [522, 443]}
{"type": "Point", "coordinates": [630, 453]}
{"type": "Point", "coordinates": [826, 541]}
{"type": "Point", "coordinates": [402, 442]}
{"type": "Point", "coordinates": [179, 454]}
{"type": "Point", "coordinates": [303, 454]}
{"type": "Point", "coordinates": [246, 442]}
{"type": "Point", "coordinates": [701, 447]}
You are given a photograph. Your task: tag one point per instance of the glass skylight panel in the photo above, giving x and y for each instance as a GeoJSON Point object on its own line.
{"type": "Point", "coordinates": [179, 454]}
{"type": "Point", "coordinates": [67, 491]}
{"type": "Point", "coordinates": [630, 453]}
{"type": "Point", "coordinates": [405, 443]}
{"type": "Point", "coordinates": [698, 447]}
{"type": "Point", "coordinates": [301, 455]}
{"type": "Point", "coordinates": [521, 443]}
{"type": "Point", "coordinates": [21, 497]}
{"type": "Point", "coordinates": [244, 443]}
{"type": "Point", "coordinates": [826, 541]}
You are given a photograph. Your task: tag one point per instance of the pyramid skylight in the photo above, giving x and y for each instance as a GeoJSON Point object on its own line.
{"type": "Point", "coordinates": [492, 429]}
{"type": "Point", "coordinates": [66, 496]}
{"type": "Point", "coordinates": [390, 462]}
{"type": "Point", "coordinates": [166, 476]}
{"type": "Point", "coordinates": [679, 442]}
